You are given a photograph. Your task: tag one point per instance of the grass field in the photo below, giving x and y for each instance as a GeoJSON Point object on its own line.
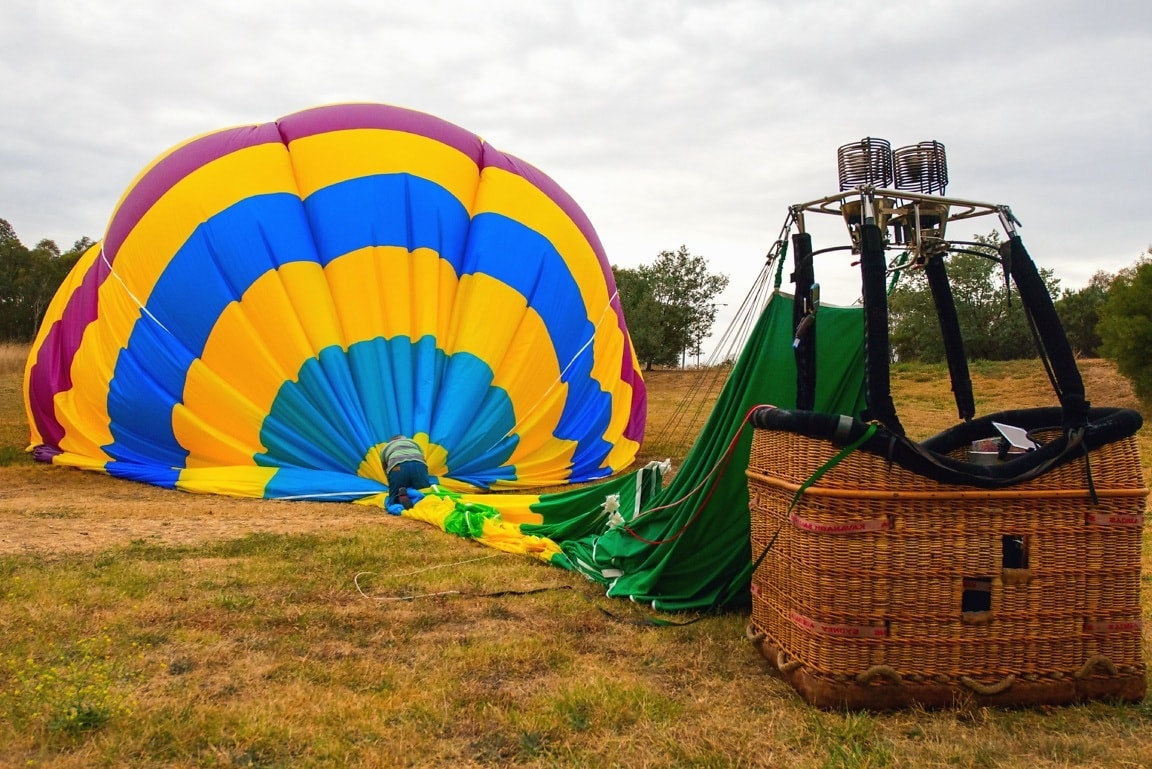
{"type": "Point", "coordinates": [141, 627]}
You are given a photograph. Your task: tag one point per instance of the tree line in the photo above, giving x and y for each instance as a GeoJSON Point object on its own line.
{"type": "Point", "coordinates": [29, 278]}
{"type": "Point", "coordinates": [1111, 317]}
{"type": "Point", "coordinates": [671, 306]}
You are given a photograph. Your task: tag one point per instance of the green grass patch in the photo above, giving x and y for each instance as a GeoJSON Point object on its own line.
{"type": "Point", "coordinates": [63, 691]}
{"type": "Point", "coordinates": [850, 741]}
{"type": "Point", "coordinates": [261, 650]}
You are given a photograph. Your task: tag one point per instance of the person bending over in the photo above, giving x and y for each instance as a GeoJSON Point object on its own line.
{"type": "Point", "coordinates": [407, 472]}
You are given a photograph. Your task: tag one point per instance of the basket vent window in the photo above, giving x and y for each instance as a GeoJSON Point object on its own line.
{"type": "Point", "coordinates": [1015, 551]}
{"type": "Point", "coordinates": [977, 595]}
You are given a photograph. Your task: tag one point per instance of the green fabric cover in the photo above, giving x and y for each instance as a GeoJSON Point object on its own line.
{"type": "Point", "coordinates": [705, 558]}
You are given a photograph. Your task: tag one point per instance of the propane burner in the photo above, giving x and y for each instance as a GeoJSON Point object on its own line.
{"type": "Point", "coordinates": [866, 163]}
{"type": "Point", "coordinates": [900, 191]}
{"type": "Point", "coordinates": [921, 168]}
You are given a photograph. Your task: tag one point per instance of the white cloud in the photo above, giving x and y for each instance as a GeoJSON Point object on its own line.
{"type": "Point", "coordinates": [669, 122]}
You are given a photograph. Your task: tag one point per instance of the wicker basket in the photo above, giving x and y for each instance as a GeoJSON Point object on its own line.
{"type": "Point", "coordinates": [884, 588]}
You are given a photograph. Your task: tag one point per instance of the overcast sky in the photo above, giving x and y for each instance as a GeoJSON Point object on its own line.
{"type": "Point", "coordinates": [670, 122]}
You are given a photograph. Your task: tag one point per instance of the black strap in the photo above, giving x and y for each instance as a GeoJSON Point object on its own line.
{"type": "Point", "coordinates": [805, 350]}
{"type": "Point", "coordinates": [1073, 445]}
{"type": "Point", "coordinates": [1038, 302]}
{"type": "Point", "coordinates": [877, 384]}
{"type": "Point", "coordinates": [937, 275]}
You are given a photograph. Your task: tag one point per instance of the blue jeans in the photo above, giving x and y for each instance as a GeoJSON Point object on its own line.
{"type": "Point", "coordinates": [406, 475]}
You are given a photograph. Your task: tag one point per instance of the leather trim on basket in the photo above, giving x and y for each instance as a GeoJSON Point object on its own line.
{"type": "Point", "coordinates": [930, 458]}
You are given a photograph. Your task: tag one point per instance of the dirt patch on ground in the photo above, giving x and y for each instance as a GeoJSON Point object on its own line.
{"type": "Point", "coordinates": [47, 510]}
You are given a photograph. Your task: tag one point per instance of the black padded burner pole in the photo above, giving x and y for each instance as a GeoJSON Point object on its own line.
{"type": "Point", "coordinates": [877, 371]}
{"type": "Point", "coordinates": [937, 275]}
{"type": "Point", "coordinates": [805, 350]}
{"type": "Point", "coordinates": [1038, 303]}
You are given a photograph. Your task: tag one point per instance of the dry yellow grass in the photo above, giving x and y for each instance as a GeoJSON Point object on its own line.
{"type": "Point", "coordinates": [12, 358]}
{"type": "Point", "coordinates": [165, 629]}
{"type": "Point", "coordinates": [13, 424]}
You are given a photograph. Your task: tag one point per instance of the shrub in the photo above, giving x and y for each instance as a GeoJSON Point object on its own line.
{"type": "Point", "coordinates": [1125, 326]}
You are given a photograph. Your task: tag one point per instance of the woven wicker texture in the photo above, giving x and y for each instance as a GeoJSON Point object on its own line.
{"type": "Point", "coordinates": [877, 568]}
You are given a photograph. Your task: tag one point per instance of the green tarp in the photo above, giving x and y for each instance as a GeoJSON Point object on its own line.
{"type": "Point", "coordinates": [687, 546]}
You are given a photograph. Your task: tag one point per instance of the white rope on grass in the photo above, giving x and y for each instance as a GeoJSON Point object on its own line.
{"type": "Point", "coordinates": [356, 580]}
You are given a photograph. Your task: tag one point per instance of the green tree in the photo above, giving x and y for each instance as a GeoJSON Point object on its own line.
{"type": "Point", "coordinates": [14, 258]}
{"type": "Point", "coordinates": [992, 319]}
{"type": "Point", "coordinates": [28, 281]}
{"type": "Point", "coordinates": [642, 312]}
{"type": "Point", "coordinates": [1079, 313]}
{"type": "Point", "coordinates": [1126, 324]}
{"type": "Point", "coordinates": [670, 305]}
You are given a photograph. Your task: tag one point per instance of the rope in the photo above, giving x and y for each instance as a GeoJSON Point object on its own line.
{"type": "Point", "coordinates": [713, 474]}
{"type": "Point", "coordinates": [989, 689]}
{"type": "Point", "coordinates": [356, 580]}
{"type": "Point", "coordinates": [650, 621]}
{"type": "Point", "coordinates": [785, 665]}
{"type": "Point", "coordinates": [844, 452]}
{"type": "Point", "coordinates": [349, 495]}
{"type": "Point", "coordinates": [143, 309]}
{"type": "Point", "coordinates": [779, 252]}
{"type": "Point", "coordinates": [820, 471]}
{"type": "Point", "coordinates": [1088, 473]}
{"type": "Point", "coordinates": [876, 671]}
{"type": "Point", "coordinates": [492, 594]}
{"type": "Point", "coordinates": [605, 312]}
{"type": "Point", "coordinates": [691, 408]}
{"type": "Point", "coordinates": [782, 254]}
{"type": "Point", "coordinates": [896, 269]}
{"type": "Point", "coordinates": [1094, 661]}
{"type": "Point", "coordinates": [438, 566]}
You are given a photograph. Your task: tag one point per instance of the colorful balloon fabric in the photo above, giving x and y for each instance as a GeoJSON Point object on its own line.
{"type": "Point", "coordinates": [271, 303]}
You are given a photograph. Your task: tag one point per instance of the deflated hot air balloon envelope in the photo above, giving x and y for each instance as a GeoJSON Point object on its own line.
{"type": "Point", "coordinates": [271, 303]}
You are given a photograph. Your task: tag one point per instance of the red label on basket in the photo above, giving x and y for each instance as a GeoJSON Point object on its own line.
{"type": "Point", "coordinates": [1112, 626]}
{"type": "Point", "coordinates": [844, 631]}
{"type": "Point", "coordinates": [849, 527]}
{"type": "Point", "coordinates": [1114, 519]}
